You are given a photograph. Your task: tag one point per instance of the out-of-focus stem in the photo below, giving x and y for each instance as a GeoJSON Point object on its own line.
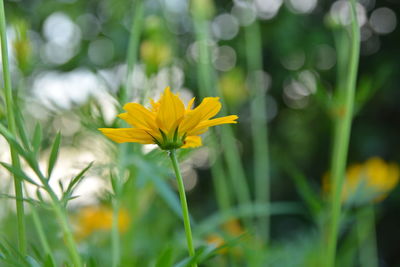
{"type": "Point", "coordinates": [185, 210]}
{"type": "Point", "coordinates": [367, 236]}
{"type": "Point", "coordinates": [259, 124]}
{"type": "Point", "coordinates": [341, 139]}
{"type": "Point", "coordinates": [115, 238]}
{"type": "Point", "coordinates": [41, 233]}
{"type": "Point", "coordinates": [12, 127]}
{"type": "Point", "coordinates": [127, 94]}
{"type": "Point", "coordinates": [133, 48]}
{"type": "Point", "coordinates": [68, 237]}
{"type": "Point", "coordinates": [206, 80]}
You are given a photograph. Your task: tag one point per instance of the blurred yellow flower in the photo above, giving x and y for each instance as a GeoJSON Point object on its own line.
{"type": "Point", "coordinates": [233, 229]}
{"type": "Point", "coordinates": [217, 241]}
{"type": "Point", "coordinates": [370, 181]}
{"type": "Point", "coordinates": [99, 218]}
{"type": "Point", "coordinates": [155, 53]}
{"type": "Point", "coordinates": [168, 123]}
{"type": "Point", "coordinates": [233, 86]}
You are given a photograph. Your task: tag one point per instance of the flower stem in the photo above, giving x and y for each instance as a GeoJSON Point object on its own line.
{"type": "Point", "coordinates": [13, 130]}
{"type": "Point", "coordinates": [185, 210]}
{"type": "Point", "coordinates": [342, 137]}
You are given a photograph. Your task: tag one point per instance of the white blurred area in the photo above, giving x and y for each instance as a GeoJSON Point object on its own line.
{"type": "Point", "coordinates": [54, 93]}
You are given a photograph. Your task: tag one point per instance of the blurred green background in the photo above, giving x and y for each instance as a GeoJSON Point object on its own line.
{"type": "Point", "coordinates": [69, 70]}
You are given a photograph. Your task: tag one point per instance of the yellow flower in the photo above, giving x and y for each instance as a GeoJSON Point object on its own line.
{"type": "Point", "coordinates": [232, 229]}
{"type": "Point", "coordinates": [371, 181]}
{"type": "Point", "coordinates": [168, 123]}
{"type": "Point", "coordinates": [98, 218]}
{"type": "Point", "coordinates": [217, 241]}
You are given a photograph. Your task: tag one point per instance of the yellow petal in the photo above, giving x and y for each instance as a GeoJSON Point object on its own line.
{"type": "Point", "coordinates": [208, 108]}
{"type": "Point", "coordinates": [123, 135]}
{"type": "Point", "coordinates": [139, 116]}
{"type": "Point", "coordinates": [190, 105]}
{"type": "Point", "coordinates": [208, 123]}
{"type": "Point", "coordinates": [155, 106]}
{"type": "Point", "coordinates": [192, 141]}
{"type": "Point", "coordinates": [170, 112]}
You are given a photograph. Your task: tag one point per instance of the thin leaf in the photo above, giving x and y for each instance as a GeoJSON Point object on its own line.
{"type": "Point", "coordinates": [18, 173]}
{"type": "Point", "coordinates": [78, 177]}
{"type": "Point", "coordinates": [37, 138]}
{"type": "Point", "coordinates": [54, 154]}
{"type": "Point", "coordinates": [12, 141]}
{"type": "Point", "coordinates": [74, 182]}
{"type": "Point", "coordinates": [201, 255]}
{"type": "Point", "coordinates": [21, 129]}
{"type": "Point", "coordinates": [28, 200]}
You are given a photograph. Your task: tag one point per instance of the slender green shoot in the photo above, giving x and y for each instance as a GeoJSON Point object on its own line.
{"type": "Point", "coordinates": [341, 139]}
{"type": "Point", "coordinates": [259, 125]}
{"type": "Point", "coordinates": [207, 83]}
{"type": "Point", "coordinates": [68, 236]}
{"type": "Point", "coordinates": [185, 210]}
{"type": "Point", "coordinates": [12, 127]}
{"type": "Point", "coordinates": [41, 233]}
{"type": "Point", "coordinates": [127, 94]}
{"type": "Point", "coordinates": [115, 238]}
{"type": "Point", "coordinates": [133, 47]}
{"type": "Point", "coordinates": [366, 236]}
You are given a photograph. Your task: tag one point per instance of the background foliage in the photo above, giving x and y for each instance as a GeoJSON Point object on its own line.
{"type": "Point", "coordinates": [74, 62]}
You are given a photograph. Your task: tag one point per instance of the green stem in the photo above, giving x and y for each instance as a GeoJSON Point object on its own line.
{"type": "Point", "coordinates": [207, 83]}
{"type": "Point", "coordinates": [12, 127]}
{"type": "Point", "coordinates": [367, 236]}
{"type": "Point", "coordinates": [68, 237]}
{"type": "Point", "coordinates": [341, 139]}
{"type": "Point", "coordinates": [115, 238]}
{"type": "Point", "coordinates": [259, 125]}
{"type": "Point", "coordinates": [185, 210]}
{"type": "Point", "coordinates": [41, 233]}
{"type": "Point", "coordinates": [133, 47]}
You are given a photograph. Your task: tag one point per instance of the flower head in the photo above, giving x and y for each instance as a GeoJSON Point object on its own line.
{"type": "Point", "coordinates": [370, 181]}
{"type": "Point", "coordinates": [168, 123]}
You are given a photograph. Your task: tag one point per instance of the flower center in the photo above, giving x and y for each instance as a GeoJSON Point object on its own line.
{"type": "Point", "coordinates": [168, 143]}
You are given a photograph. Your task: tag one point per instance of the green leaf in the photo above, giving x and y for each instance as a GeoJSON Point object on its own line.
{"type": "Point", "coordinates": [54, 154]}
{"type": "Point", "coordinates": [37, 138]}
{"type": "Point", "coordinates": [203, 253]}
{"type": "Point", "coordinates": [32, 262]}
{"type": "Point", "coordinates": [28, 200]}
{"type": "Point", "coordinates": [67, 194]}
{"type": "Point", "coordinates": [21, 129]}
{"type": "Point", "coordinates": [166, 258]}
{"type": "Point", "coordinates": [14, 143]}
{"type": "Point", "coordinates": [18, 173]}
{"type": "Point", "coordinates": [48, 262]}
